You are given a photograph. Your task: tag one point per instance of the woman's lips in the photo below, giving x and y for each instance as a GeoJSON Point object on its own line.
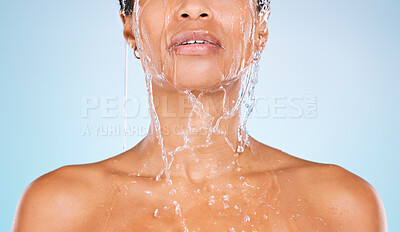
{"type": "Point", "coordinates": [195, 43]}
{"type": "Point", "coordinates": [196, 49]}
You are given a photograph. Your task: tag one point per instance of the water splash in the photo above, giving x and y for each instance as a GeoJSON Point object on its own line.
{"type": "Point", "coordinates": [243, 105]}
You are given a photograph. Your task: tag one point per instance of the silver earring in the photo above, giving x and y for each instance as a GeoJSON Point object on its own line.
{"type": "Point", "coordinates": [136, 53]}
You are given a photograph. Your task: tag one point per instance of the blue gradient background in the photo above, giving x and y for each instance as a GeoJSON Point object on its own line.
{"type": "Point", "coordinates": [55, 53]}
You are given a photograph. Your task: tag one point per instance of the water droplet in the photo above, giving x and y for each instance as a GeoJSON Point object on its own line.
{"type": "Point", "coordinates": [225, 205]}
{"type": "Point", "coordinates": [172, 192]}
{"type": "Point", "coordinates": [211, 201]}
{"type": "Point", "coordinates": [178, 209]}
{"type": "Point", "coordinates": [226, 197]}
{"type": "Point", "coordinates": [156, 214]}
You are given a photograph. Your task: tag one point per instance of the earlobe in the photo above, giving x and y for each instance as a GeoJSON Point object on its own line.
{"type": "Point", "coordinates": [262, 29]}
{"type": "Point", "coordinates": [263, 38]}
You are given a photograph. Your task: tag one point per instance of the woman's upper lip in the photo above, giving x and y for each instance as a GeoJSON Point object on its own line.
{"type": "Point", "coordinates": [187, 36]}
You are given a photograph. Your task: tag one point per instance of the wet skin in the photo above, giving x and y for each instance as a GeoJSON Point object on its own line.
{"type": "Point", "coordinates": [273, 192]}
{"type": "Point", "coordinates": [269, 191]}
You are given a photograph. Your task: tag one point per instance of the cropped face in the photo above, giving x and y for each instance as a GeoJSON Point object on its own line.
{"type": "Point", "coordinates": [196, 44]}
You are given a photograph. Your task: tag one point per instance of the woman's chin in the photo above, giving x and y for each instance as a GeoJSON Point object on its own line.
{"type": "Point", "coordinates": [195, 73]}
{"type": "Point", "coordinates": [198, 81]}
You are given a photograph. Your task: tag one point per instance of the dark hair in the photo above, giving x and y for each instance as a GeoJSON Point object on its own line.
{"type": "Point", "coordinates": [127, 5]}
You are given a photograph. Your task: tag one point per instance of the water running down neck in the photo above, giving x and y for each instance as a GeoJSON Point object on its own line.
{"type": "Point", "coordinates": [196, 132]}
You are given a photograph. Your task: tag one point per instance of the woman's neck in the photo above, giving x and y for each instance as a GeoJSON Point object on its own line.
{"type": "Point", "coordinates": [199, 131]}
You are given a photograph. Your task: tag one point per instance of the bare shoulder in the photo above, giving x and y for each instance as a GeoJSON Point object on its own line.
{"type": "Point", "coordinates": [345, 200]}
{"type": "Point", "coordinates": [62, 200]}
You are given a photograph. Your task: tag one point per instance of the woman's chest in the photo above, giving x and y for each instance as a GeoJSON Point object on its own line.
{"type": "Point", "coordinates": [247, 204]}
{"type": "Point", "coordinates": [206, 220]}
{"type": "Point", "coordinates": [227, 211]}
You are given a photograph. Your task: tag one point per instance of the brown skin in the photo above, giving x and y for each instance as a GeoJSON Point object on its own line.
{"type": "Point", "coordinates": [263, 189]}
{"type": "Point", "coordinates": [79, 198]}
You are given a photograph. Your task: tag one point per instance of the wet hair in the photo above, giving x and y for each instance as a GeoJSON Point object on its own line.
{"type": "Point", "coordinates": [127, 5]}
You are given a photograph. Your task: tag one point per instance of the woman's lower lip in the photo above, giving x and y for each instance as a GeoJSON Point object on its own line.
{"type": "Point", "coordinates": [196, 49]}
